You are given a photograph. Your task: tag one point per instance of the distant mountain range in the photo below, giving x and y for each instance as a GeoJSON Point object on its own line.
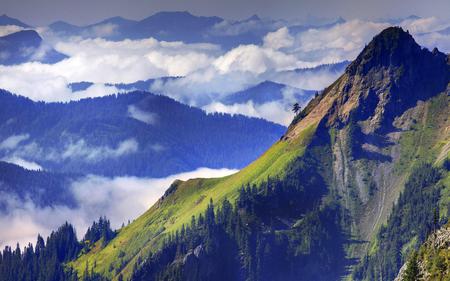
{"type": "Point", "coordinates": [26, 46]}
{"type": "Point", "coordinates": [138, 134]}
{"type": "Point", "coordinates": [176, 26]}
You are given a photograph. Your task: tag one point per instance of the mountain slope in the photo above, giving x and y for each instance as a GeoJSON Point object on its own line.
{"type": "Point", "coordinates": [135, 134]}
{"type": "Point", "coordinates": [348, 154]}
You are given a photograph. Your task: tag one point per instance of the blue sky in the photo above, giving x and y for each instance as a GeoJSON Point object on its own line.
{"type": "Point", "coordinates": [41, 12]}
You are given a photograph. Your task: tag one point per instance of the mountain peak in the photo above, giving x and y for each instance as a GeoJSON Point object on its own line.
{"type": "Point", "coordinates": [6, 20]}
{"type": "Point", "coordinates": [392, 47]}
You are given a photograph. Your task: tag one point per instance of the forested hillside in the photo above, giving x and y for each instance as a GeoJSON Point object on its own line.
{"type": "Point", "coordinates": [137, 134]}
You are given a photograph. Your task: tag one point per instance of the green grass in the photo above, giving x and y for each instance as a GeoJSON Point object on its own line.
{"type": "Point", "coordinates": [428, 136]}
{"type": "Point", "coordinates": [144, 235]}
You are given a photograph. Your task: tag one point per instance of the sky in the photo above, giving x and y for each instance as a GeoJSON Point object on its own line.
{"type": "Point", "coordinates": [81, 12]}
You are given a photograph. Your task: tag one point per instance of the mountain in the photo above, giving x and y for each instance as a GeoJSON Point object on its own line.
{"type": "Point", "coordinates": [268, 91]}
{"type": "Point", "coordinates": [167, 26]}
{"type": "Point", "coordinates": [62, 28]}
{"type": "Point", "coordinates": [321, 202]}
{"type": "Point", "coordinates": [25, 46]}
{"type": "Point", "coordinates": [176, 26]}
{"type": "Point", "coordinates": [134, 134]}
{"type": "Point", "coordinates": [5, 20]}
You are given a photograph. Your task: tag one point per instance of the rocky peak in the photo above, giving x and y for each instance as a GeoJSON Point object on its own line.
{"type": "Point", "coordinates": [392, 47]}
{"type": "Point", "coordinates": [390, 75]}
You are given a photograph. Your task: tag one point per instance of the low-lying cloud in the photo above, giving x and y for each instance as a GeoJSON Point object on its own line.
{"type": "Point", "coordinates": [29, 165]}
{"type": "Point", "coordinates": [83, 151]}
{"type": "Point", "coordinates": [149, 118]}
{"type": "Point", "coordinates": [120, 199]}
{"type": "Point", "coordinates": [13, 141]}
{"type": "Point", "coordinates": [15, 150]}
{"type": "Point", "coordinates": [9, 29]}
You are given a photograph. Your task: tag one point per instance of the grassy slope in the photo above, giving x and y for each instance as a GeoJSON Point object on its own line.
{"type": "Point", "coordinates": [429, 140]}
{"type": "Point", "coordinates": [190, 198]}
{"type": "Point", "coordinates": [426, 142]}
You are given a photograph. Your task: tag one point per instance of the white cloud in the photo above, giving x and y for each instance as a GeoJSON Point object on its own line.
{"type": "Point", "coordinates": [338, 43]}
{"type": "Point", "coordinates": [273, 111]}
{"type": "Point", "coordinates": [104, 30]}
{"type": "Point", "coordinates": [81, 150]}
{"type": "Point", "coordinates": [279, 39]}
{"type": "Point", "coordinates": [254, 59]}
{"type": "Point", "coordinates": [120, 199]}
{"type": "Point", "coordinates": [277, 111]}
{"type": "Point", "coordinates": [29, 165]}
{"type": "Point", "coordinates": [204, 86]}
{"type": "Point", "coordinates": [9, 29]}
{"type": "Point", "coordinates": [101, 61]}
{"type": "Point", "coordinates": [141, 115]}
{"type": "Point", "coordinates": [307, 79]}
{"type": "Point", "coordinates": [420, 25]}
{"type": "Point", "coordinates": [13, 141]}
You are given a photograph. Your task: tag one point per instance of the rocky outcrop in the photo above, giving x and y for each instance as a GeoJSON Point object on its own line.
{"type": "Point", "coordinates": [436, 246]}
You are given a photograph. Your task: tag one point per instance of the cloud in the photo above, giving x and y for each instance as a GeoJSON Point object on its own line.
{"type": "Point", "coordinates": [120, 199]}
{"type": "Point", "coordinates": [25, 154]}
{"type": "Point", "coordinates": [9, 29]}
{"type": "Point", "coordinates": [338, 43]}
{"type": "Point", "coordinates": [421, 25]}
{"type": "Point", "coordinates": [141, 115]}
{"type": "Point", "coordinates": [29, 165]}
{"type": "Point", "coordinates": [272, 111]}
{"type": "Point", "coordinates": [103, 30]}
{"type": "Point", "coordinates": [434, 39]}
{"type": "Point", "coordinates": [13, 141]}
{"type": "Point", "coordinates": [277, 111]}
{"type": "Point", "coordinates": [81, 150]}
{"type": "Point", "coordinates": [204, 86]}
{"type": "Point", "coordinates": [254, 59]}
{"type": "Point", "coordinates": [101, 61]}
{"type": "Point", "coordinates": [307, 79]}
{"type": "Point", "coordinates": [279, 39]}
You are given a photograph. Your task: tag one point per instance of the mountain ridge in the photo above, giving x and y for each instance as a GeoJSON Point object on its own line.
{"type": "Point", "coordinates": [348, 120]}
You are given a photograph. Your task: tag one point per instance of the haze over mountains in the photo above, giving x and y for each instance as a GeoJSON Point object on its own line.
{"type": "Point", "coordinates": [134, 134]}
